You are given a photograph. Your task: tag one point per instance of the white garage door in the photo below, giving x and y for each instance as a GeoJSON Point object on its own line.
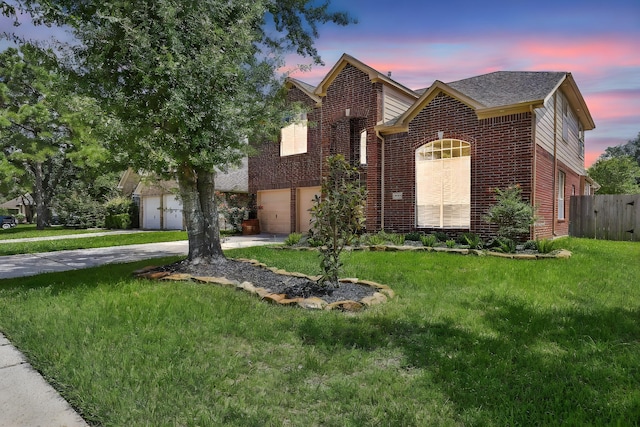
{"type": "Point", "coordinates": [151, 212]}
{"type": "Point", "coordinates": [172, 213]}
{"type": "Point", "coordinates": [304, 203]}
{"type": "Point", "coordinates": [275, 211]}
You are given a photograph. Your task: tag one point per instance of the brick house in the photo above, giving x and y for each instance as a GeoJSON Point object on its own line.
{"type": "Point", "coordinates": [430, 159]}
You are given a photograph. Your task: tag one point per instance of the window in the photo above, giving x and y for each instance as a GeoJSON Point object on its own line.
{"type": "Point", "coordinates": [293, 138]}
{"type": "Point", "coordinates": [443, 184]}
{"type": "Point", "coordinates": [561, 182]}
{"type": "Point", "coordinates": [565, 121]}
{"type": "Point", "coordinates": [363, 147]}
{"type": "Point", "coordinates": [581, 140]}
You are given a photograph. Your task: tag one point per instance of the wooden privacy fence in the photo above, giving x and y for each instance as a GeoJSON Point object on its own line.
{"type": "Point", "coordinates": [607, 217]}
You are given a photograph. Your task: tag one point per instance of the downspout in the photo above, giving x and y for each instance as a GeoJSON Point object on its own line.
{"type": "Point", "coordinates": [381, 179]}
{"type": "Point", "coordinates": [555, 164]}
{"type": "Point", "coordinates": [533, 166]}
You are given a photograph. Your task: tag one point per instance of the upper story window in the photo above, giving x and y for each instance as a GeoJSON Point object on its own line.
{"type": "Point", "coordinates": [293, 137]}
{"type": "Point", "coordinates": [565, 121]}
{"type": "Point", "coordinates": [581, 139]}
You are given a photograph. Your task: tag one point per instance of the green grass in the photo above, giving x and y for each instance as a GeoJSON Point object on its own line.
{"type": "Point", "coordinates": [91, 242]}
{"type": "Point", "coordinates": [22, 231]}
{"type": "Point", "coordinates": [467, 341]}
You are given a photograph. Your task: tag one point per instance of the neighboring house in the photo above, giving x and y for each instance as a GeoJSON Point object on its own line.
{"type": "Point", "coordinates": [21, 205]}
{"type": "Point", "coordinates": [159, 204]}
{"type": "Point", "coordinates": [430, 159]}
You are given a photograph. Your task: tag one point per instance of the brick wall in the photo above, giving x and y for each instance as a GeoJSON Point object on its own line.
{"type": "Point", "coordinates": [500, 156]}
{"type": "Point", "coordinates": [547, 196]}
{"type": "Point", "coordinates": [353, 91]}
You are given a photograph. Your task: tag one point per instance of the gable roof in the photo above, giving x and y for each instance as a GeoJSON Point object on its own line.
{"type": "Point", "coordinates": [306, 88]}
{"type": "Point", "coordinates": [374, 75]}
{"type": "Point", "coordinates": [500, 93]}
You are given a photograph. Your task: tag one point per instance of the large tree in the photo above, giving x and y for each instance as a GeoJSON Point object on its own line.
{"type": "Point", "coordinates": [191, 81]}
{"type": "Point", "coordinates": [616, 175]}
{"type": "Point", "coordinates": [631, 148]}
{"type": "Point", "coordinates": [47, 133]}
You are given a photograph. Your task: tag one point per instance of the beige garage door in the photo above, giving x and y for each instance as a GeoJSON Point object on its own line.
{"type": "Point", "coordinates": [275, 211]}
{"type": "Point", "coordinates": [304, 203]}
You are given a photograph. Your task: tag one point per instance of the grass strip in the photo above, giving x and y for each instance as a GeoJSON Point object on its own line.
{"type": "Point", "coordinates": [90, 242]}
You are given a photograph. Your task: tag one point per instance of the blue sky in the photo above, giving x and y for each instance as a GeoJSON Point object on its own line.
{"type": "Point", "coordinates": [421, 41]}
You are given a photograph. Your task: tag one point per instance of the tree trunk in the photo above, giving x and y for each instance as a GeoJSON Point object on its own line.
{"type": "Point", "coordinates": [200, 214]}
{"type": "Point", "coordinates": [39, 196]}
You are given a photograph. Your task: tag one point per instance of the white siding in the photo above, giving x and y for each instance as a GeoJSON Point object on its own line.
{"type": "Point", "coordinates": [395, 103]}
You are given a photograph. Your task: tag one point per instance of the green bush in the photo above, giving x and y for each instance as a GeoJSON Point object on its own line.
{"type": "Point", "coordinates": [374, 239]}
{"type": "Point", "coordinates": [413, 236]}
{"type": "Point", "coordinates": [544, 246]}
{"type": "Point", "coordinates": [451, 243]}
{"type": "Point", "coordinates": [473, 240]}
{"type": "Point", "coordinates": [441, 236]}
{"type": "Point", "coordinates": [396, 239]}
{"type": "Point", "coordinates": [429, 240]}
{"type": "Point", "coordinates": [293, 239]}
{"type": "Point", "coordinates": [338, 215]}
{"type": "Point", "coordinates": [120, 221]}
{"type": "Point", "coordinates": [510, 213]}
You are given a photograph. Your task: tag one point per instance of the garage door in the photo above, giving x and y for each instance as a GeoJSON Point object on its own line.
{"type": "Point", "coordinates": [275, 211]}
{"type": "Point", "coordinates": [172, 213]}
{"type": "Point", "coordinates": [304, 203]}
{"type": "Point", "coordinates": [151, 212]}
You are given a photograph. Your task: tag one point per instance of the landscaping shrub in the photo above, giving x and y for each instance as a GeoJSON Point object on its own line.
{"type": "Point", "coordinates": [511, 214]}
{"type": "Point", "coordinates": [374, 239]}
{"type": "Point", "coordinates": [120, 221]}
{"type": "Point", "coordinates": [293, 239]}
{"type": "Point", "coordinates": [396, 239]}
{"type": "Point", "coordinates": [413, 236]}
{"type": "Point", "coordinates": [119, 213]}
{"type": "Point", "coordinates": [429, 240]}
{"type": "Point", "coordinates": [338, 215]}
{"type": "Point", "coordinates": [441, 236]}
{"type": "Point", "coordinates": [473, 240]}
{"type": "Point", "coordinates": [544, 246]}
{"type": "Point", "coordinates": [451, 243]}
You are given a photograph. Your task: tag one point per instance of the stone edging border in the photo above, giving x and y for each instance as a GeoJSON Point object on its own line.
{"type": "Point", "coordinates": [381, 294]}
{"type": "Point", "coordinates": [561, 253]}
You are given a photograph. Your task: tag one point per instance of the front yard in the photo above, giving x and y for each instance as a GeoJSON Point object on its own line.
{"type": "Point", "coordinates": [467, 341]}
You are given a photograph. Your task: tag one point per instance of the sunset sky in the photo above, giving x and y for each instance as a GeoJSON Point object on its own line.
{"type": "Point", "coordinates": [420, 41]}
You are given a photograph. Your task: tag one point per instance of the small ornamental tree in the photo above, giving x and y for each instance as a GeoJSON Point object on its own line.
{"type": "Point", "coordinates": [337, 216]}
{"type": "Point", "coordinates": [511, 214]}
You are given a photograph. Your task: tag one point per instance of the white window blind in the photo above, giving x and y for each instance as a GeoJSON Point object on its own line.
{"type": "Point", "coordinates": [293, 138]}
{"type": "Point", "coordinates": [443, 184]}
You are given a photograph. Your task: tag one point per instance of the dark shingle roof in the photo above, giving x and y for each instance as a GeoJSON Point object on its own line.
{"type": "Point", "coordinates": [503, 88]}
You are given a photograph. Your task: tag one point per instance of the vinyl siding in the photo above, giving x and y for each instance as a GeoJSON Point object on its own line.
{"type": "Point", "coordinates": [395, 103]}
{"type": "Point", "coordinates": [568, 152]}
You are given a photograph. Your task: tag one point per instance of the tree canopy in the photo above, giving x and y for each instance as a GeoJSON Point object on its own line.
{"type": "Point", "coordinates": [190, 81]}
{"type": "Point", "coordinates": [617, 170]}
{"type": "Point", "coordinates": [47, 133]}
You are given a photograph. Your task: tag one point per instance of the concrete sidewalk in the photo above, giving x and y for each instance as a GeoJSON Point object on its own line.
{"type": "Point", "coordinates": [26, 399]}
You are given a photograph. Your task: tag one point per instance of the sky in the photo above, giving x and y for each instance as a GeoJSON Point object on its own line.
{"type": "Point", "coordinates": [597, 41]}
{"type": "Point", "coordinates": [422, 41]}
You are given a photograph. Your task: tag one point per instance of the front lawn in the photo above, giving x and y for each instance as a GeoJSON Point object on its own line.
{"type": "Point", "coordinates": [467, 341]}
{"type": "Point", "coordinates": [29, 231]}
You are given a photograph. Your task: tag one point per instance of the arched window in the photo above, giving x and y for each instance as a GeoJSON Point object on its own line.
{"type": "Point", "coordinates": [443, 184]}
